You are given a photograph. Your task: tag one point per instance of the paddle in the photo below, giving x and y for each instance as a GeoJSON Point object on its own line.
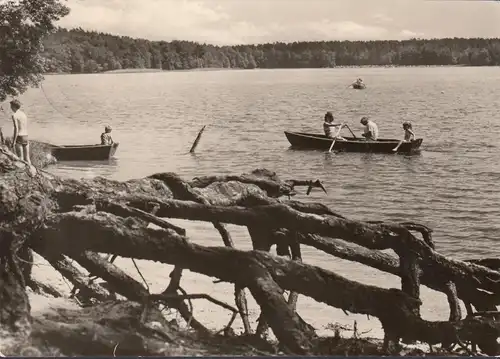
{"type": "Point", "coordinates": [333, 143]}
{"type": "Point", "coordinates": [350, 131]}
{"type": "Point", "coordinates": [335, 137]}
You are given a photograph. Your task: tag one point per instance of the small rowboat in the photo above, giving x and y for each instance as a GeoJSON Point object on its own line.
{"type": "Point", "coordinates": [311, 141]}
{"type": "Point", "coordinates": [357, 86]}
{"type": "Point", "coordinates": [84, 152]}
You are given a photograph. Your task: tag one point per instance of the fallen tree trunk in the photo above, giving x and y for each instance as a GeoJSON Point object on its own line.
{"type": "Point", "coordinates": [367, 235]}
{"type": "Point", "coordinates": [104, 233]}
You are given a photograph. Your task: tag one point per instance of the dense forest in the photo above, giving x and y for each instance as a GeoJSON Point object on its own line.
{"type": "Point", "coordinates": [80, 51]}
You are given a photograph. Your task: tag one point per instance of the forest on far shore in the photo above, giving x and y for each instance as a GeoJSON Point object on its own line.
{"type": "Point", "coordinates": [81, 51]}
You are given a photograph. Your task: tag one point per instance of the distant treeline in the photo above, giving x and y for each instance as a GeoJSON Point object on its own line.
{"type": "Point", "coordinates": [79, 51]}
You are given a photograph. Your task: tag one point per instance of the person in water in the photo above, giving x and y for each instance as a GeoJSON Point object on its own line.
{"type": "Point", "coordinates": [106, 137]}
{"type": "Point", "coordinates": [409, 134]}
{"type": "Point", "coordinates": [20, 136]}
{"type": "Point", "coordinates": [328, 124]}
{"type": "Point", "coordinates": [371, 129]}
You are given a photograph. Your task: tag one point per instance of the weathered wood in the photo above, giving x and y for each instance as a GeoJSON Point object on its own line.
{"type": "Point", "coordinates": [22, 210]}
{"type": "Point", "coordinates": [117, 280]}
{"type": "Point", "coordinates": [368, 235]}
{"type": "Point", "coordinates": [264, 179]}
{"type": "Point", "coordinates": [78, 279]}
{"type": "Point", "coordinates": [180, 305]}
{"type": "Point", "coordinates": [182, 190]}
{"type": "Point", "coordinates": [105, 233]}
{"type": "Point", "coordinates": [197, 140]}
{"type": "Point", "coordinates": [100, 330]}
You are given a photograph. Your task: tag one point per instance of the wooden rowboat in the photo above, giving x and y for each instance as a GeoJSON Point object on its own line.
{"type": "Point", "coordinates": [311, 141]}
{"type": "Point", "coordinates": [84, 152]}
{"type": "Point", "coordinates": [358, 86]}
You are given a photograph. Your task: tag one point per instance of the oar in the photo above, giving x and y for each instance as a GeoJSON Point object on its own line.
{"type": "Point", "coordinates": [350, 131]}
{"type": "Point", "coordinates": [333, 142]}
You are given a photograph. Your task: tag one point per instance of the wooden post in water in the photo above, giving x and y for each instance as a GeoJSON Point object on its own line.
{"type": "Point", "coordinates": [193, 147]}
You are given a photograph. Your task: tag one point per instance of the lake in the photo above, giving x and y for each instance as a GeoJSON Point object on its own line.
{"type": "Point", "coordinates": [452, 186]}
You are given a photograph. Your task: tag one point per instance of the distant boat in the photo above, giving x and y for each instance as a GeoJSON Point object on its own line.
{"type": "Point", "coordinates": [358, 86]}
{"type": "Point", "coordinates": [312, 141]}
{"type": "Point", "coordinates": [83, 152]}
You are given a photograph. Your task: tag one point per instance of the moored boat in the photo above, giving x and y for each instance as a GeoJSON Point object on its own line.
{"type": "Point", "coordinates": [312, 141]}
{"type": "Point", "coordinates": [84, 152]}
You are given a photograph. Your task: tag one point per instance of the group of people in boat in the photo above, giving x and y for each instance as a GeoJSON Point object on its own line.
{"type": "Point", "coordinates": [358, 83]}
{"type": "Point", "coordinates": [332, 129]}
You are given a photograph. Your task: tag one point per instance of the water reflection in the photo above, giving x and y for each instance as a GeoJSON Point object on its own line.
{"type": "Point", "coordinates": [79, 169]}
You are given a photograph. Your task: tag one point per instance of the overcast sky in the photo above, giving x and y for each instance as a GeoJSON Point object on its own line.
{"type": "Point", "coordinates": [257, 21]}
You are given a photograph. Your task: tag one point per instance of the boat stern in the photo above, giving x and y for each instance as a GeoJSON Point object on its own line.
{"type": "Point", "coordinates": [113, 149]}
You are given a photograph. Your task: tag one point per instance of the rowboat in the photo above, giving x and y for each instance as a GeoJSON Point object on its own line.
{"type": "Point", "coordinates": [357, 86]}
{"type": "Point", "coordinates": [84, 152]}
{"type": "Point", "coordinates": [304, 140]}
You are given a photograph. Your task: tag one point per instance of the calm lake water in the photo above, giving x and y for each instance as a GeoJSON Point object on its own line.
{"type": "Point", "coordinates": [451, 186]}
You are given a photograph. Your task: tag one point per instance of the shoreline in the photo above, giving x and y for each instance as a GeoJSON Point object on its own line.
{"type": "Point", "coordinates": [214, 69]}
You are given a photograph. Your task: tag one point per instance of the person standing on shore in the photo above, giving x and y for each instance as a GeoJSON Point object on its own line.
{"type": "Point", "coordinates": [20, 137]}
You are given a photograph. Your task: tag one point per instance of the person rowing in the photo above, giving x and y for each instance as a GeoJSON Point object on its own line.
{"type": "Point", "coordinates": [329, 123]}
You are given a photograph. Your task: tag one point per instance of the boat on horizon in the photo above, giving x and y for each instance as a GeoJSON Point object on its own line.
{"type": "Point", "coordinates": [358, 86]}
{"type": "Point", "coordinates": [312, 141]}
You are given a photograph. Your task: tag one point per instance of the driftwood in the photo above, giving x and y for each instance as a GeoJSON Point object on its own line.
{"type": "Point", "coordinates": [61, 218]}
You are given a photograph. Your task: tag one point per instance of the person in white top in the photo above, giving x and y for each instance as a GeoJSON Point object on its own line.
{"type": "Point", "coordinates": [371, 129]}
{"type": "Point", "coordinates": [20, 138]}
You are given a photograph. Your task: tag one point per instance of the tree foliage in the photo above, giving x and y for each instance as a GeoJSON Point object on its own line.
{"type": "Point", "coordinates": [80, 51]}
{"type": "Point", "coordinates": [23, 26]}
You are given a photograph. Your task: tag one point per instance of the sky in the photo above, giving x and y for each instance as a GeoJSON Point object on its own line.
{"type": "Point", "coordinates": [229, 22]}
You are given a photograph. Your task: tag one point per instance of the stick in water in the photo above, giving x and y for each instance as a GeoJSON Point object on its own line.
{"type": "Point", "coordinates": [193, 147]}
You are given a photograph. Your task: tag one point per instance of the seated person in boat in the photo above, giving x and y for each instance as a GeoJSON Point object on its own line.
{"type": "Point", "coordinates": [106, 137]}
{"type": "Point", "coordinates": [409, 135]}
{"type": "Point", "coordinates": [358, 82]}
{"type": "Point", "coordinates": [328, 124]}
{"type": "Point", "coordinates": [371, 129]}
